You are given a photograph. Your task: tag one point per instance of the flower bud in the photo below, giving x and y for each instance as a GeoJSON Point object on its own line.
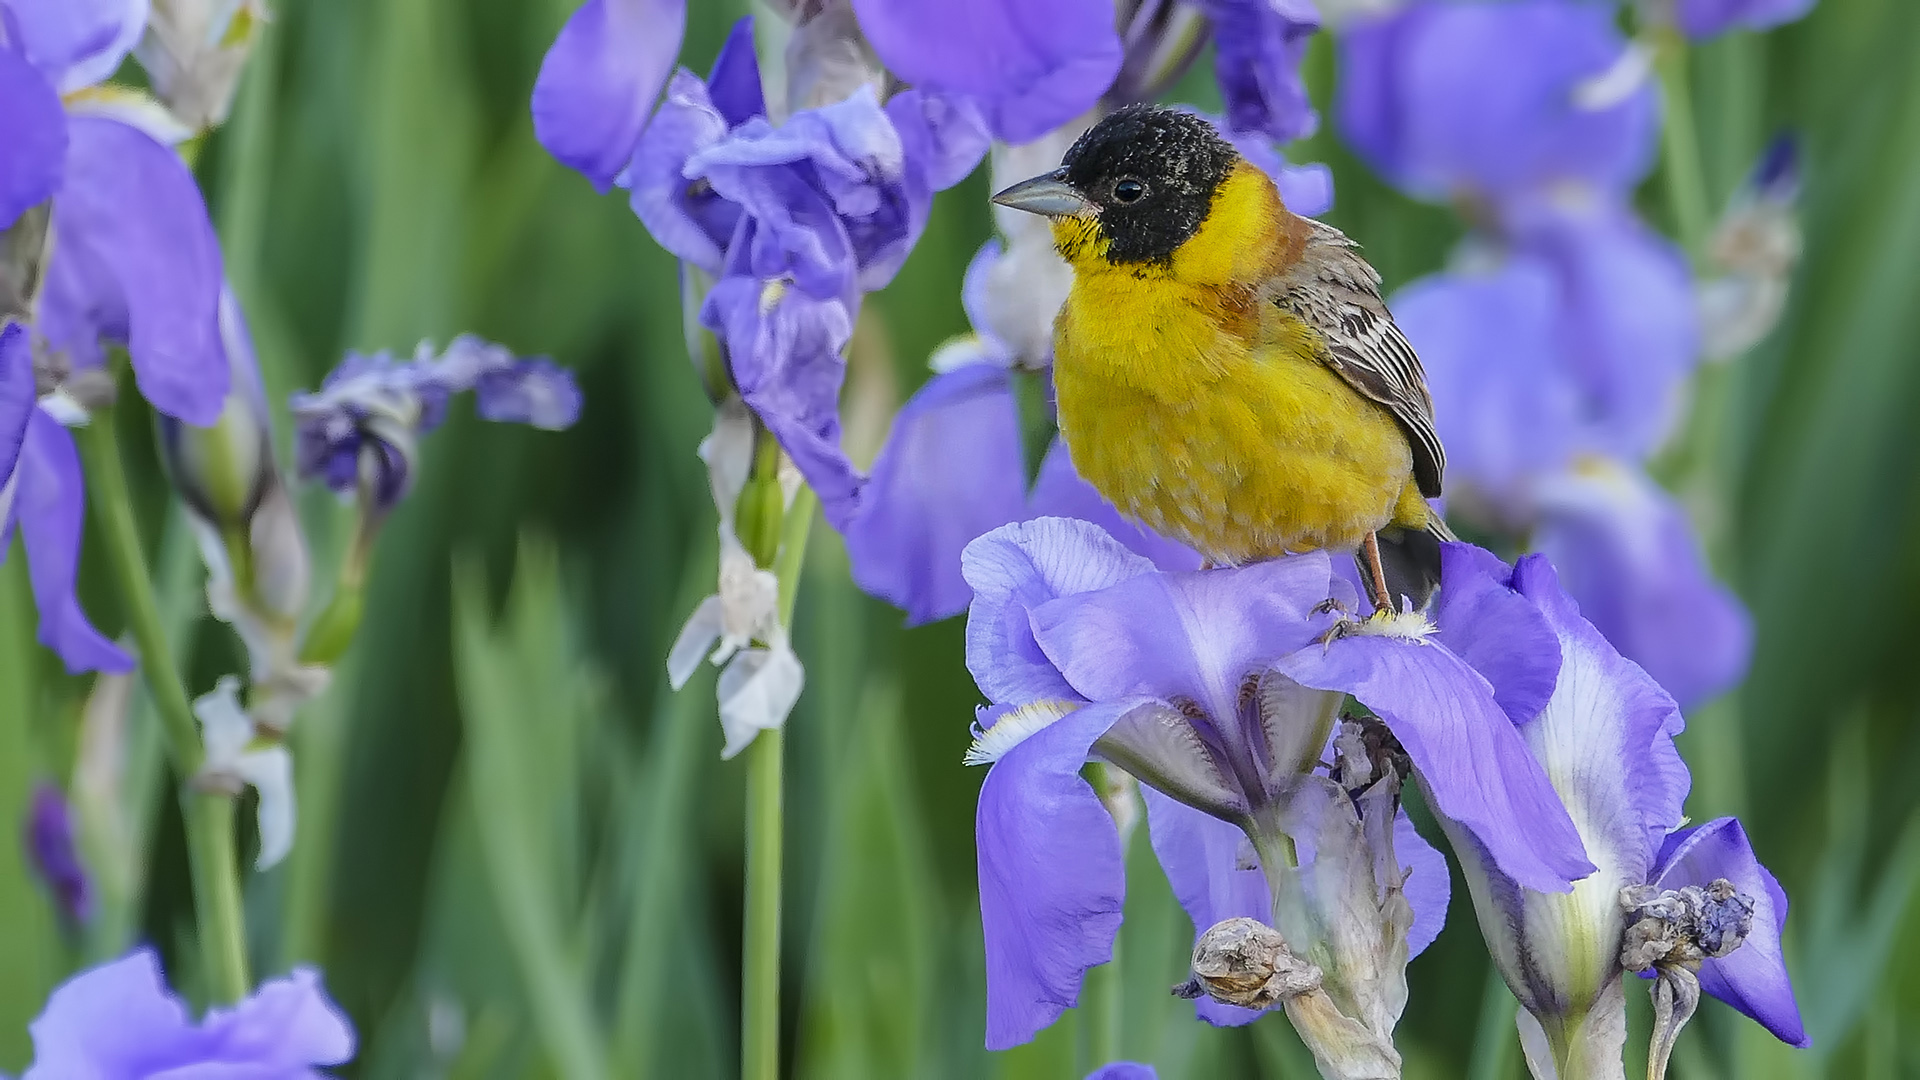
{"type": "Point", "coordinates": [1247, 963]}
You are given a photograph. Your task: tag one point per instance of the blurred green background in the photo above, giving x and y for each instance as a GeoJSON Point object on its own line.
{"type": "Point", "coordinates": [519, 852]}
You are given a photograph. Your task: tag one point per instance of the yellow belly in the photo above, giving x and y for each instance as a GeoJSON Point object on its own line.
{"type": "Point", "coordinates": [1243, 454]}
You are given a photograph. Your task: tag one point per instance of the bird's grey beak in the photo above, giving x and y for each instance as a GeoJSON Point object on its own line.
{"type": "Point", "coordinates": [1048, 195]}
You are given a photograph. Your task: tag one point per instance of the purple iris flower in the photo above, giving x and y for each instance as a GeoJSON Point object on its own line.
{"type": "Point", "coordinates": [119, 1021]}
{"type": "Point", "coordinates": [41, 491]}
{"type": "Point", "coordinates": [1216, 690]}
{"type": "Point", "coordinates": [599, 81]}
{"type": "Point", "coordinates": [359, 432]}
{"type": "Point", "coordinates": [136, 261]}
{"type": "Point", "coordinates": [1709, 18]}
{"type": "Point", "coordinates": [1258, 46]}
{"type": "Point", "coordinates": [1603, 732]}
{"type": "Point", "coordinates": [1124, 1070]}
{"type": "Point", "coordinates": [1028, 68]}
{"type": "Point", "coordinates": [1484, 99]}
{"type": "Point", "coordinates": [51, 845]}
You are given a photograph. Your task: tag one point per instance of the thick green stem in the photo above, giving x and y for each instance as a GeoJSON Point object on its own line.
{"type": "Point", "coordinates": [209, 816]}
{"type": "Point", "coordinates": [760, 976]}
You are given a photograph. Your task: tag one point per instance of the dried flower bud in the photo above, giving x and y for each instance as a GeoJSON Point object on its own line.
{"type": "Point", "coordinates": [1247, 963]}
{"type": "Point", "coordinates": [1682, 927]}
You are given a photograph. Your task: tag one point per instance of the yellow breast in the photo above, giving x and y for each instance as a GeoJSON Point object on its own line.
{"type": "Point", "coordinates": [1199, 409]}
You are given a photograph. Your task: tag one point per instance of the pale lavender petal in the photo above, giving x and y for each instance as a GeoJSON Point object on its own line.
{"type": "Point", "coordinates": [1708, 18]}
{"type": "Point", "coordinates": [1124, 1070]}
{"type": "Point", "coordinates": [17, 395]}
{"type": "Point", "coordinates": [1201, 857]}
{"type": "Point", "coordinates": [1258, 46]}
{"type": "Point", "coordinates": [49, 505]}
{"type": "Point", "coordinates": [1504, 398]}
{"type": "Point", "coordinates": [1627, 553]}
{"type": "Point", "coordinates": [120, 1020]}
{"type": "Point", "coordinates": [1628, 324]}
{"type": "Point", "coordinates": [1017, 568]}
{"type": "Point", "coordinates": [1028, 67]}
{"type": "Point", "coordinates": [1052, 880]}
{"type": "Point", "coordinates": [33, 137]}
{"type": "Point", "coordinates": [950, 471]}
{"type": "Point", "coordinates": [1193, 635]}
{"type": "Point", "coordinates": [1753, 978]}
{"type": "Point", "coordinates": [1060, 492]}
{"type": "Point", "coordinates": [785, 350]}
{"type": "Point", "coordinates": [142, 266]}
{"type": "Point", "coordinates": [77, 43]}
{"type": "Point", "coordinates": [599, 80]}
{"type": "Point", "coordinates": [1468, 753]}
{"type": "Point", "coordinates": [945, 138]}
{"type": "Point", "coordinates": [534, 391]}
{"type": "Point", "coordinates": [1445, 97]}
{"type": "Point", "coordinates": [1429, 885]}
{"type": "Point", "coordinates": [1501, 633]}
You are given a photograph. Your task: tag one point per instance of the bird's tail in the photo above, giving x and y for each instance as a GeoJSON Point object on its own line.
{"type": "Point", "coordinates": [1411, 559]}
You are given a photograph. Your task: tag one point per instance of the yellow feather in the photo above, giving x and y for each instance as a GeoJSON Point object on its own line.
{"type": "Point", "coordinates": [1203, 411]}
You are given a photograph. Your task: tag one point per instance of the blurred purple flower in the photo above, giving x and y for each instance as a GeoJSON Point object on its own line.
{"type": "Point", "coordinates": [1629, 556]}
{"type": "Point", "coordinates": [1028, 68]}
{"type": "Point", "coordinates": [50, 844]}
{"type": "Point", "coordinates": [359, 431]}
{"type": "Point", "coordinates": [1124, 1070]}
{"type": "Point", "coordinates": [1258, 46]}
{"type": "Point", "coordinates": [1480, 98]}
{"type": "Point", "coordinates": [1709, 18]}
{"type": "Point", "coordinates": [1603, 731]}
{"type": "Point", "coordinates": [137, 261]}
{"type": "Point", "coordinates": [119, 1021]}
{"type": "Point", "coordinates": [599, 80]}
{"type": "Point", "coordinates": [1216, 690]}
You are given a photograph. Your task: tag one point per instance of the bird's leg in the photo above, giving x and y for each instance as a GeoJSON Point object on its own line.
{"type": "Point", "coordinates": [1382, 598]}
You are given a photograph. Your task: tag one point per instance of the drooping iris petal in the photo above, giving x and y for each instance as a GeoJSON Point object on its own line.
{"type": "Point", "coordinates": [1258, 46]}
{"type": "Point", "coordinates": [77, 43]}
{"type": "Point", "coordinates": [785, 348]}
{"type": "Point", "coordinates": [1506, 405]}
{"type": "Point", "coordinates": [599, 80]}
{"type": "Point", "coordinates": [1627, 553]}
{"type": "Point", "coordinates": [33, 137]}
{"type": "Point", "coordinates": [950, 471]}
{"type": "Point", "coordinates": [1192, 636]}
{"type": "Point", "coordinates": [1753, 978]}
{"type": "Point", "coordinates": [1708, 18]}
{"type": "Point", "coordinates": [1497, 631]}
{"type": "Point", "coordinates": [1444, 97]}
{"type": "Point", "coordinates": [1059, 491]}
{"type": "Point", "coordinates": [1052, 880]}
{"type": "Point", "coordinates": [1028, 67]}
{"type": "Point", "coordinates": [1201, 857]}
{"type": "Point", "coordinates": [1017, 568]}
{"type": "Point", "coordinates": [535, 392]}
{"type": "Point", "coordinates": [1463, 747]}
{"type": "Point", "coordinates": [49, 504]}
{"type": "Point", "coordinates": [120, 1020]}
{"type": "Point", "coordinates": [17, 397]}
{"type": "Point", "coordinates": [1628, 325]}
{"type": "Point", "coordinates": [1429, 888]}
{"type": "Point", "coordinates": [138, 262]}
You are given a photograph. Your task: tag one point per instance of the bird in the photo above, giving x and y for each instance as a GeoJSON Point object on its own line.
{"type": "Point", "coordinates": [1225, 370]}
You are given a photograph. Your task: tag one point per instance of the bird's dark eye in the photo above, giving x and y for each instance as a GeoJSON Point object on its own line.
{"type": "Point", "coordinates": [1129, 190]}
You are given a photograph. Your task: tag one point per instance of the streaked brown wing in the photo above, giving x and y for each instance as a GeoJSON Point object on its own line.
{"type": "Point", "coordinates": [1333, 290]}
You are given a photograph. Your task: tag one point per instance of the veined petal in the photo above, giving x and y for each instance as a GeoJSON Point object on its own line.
{"type": "Point", "coordinates": [1201, 857]}
{"type": "Point", "coordinates": [950, 471]}
{"type": "Point", "coordinates": [1501, 633]}
{"type": "Point", "coordinates": [690, 220]}
{"type": "Point", "coordinates": [50, 502]}
{"type": "Point", "coordinates": [1017, 568]}
{"type": "Point", "coordinates": [1029, 67]}
{"type": "Point", "coordinates": [1753, 978]}
{"type": "Point", "coordinates": [1464, 748]}
{"type": "Point", "coordinates": [1429, 887]}
{"type": "Point", "coordinates": [33, 137]}
{"type": "Point", "coordinates": [599, 79]}
{"type": "Point", "coordinates": [77, 43]}
{"type": "Point", "coordinates": [1052, 881]}
{"type": "Point", "coordinates": [137, 261]}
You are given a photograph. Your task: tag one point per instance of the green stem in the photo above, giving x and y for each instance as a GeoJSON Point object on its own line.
{"type": "Point", "coordinates": [1685, 176]}
{"type": "Point", "coordinates": [209, 816]}
{"type": "Point", "coordinates": [760, 976]}
{"type": "Point", "coordinates": [1493, 1042]}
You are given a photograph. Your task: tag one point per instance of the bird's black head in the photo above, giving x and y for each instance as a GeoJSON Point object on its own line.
{"type": "Point", "coordinates": [1153, 173]}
